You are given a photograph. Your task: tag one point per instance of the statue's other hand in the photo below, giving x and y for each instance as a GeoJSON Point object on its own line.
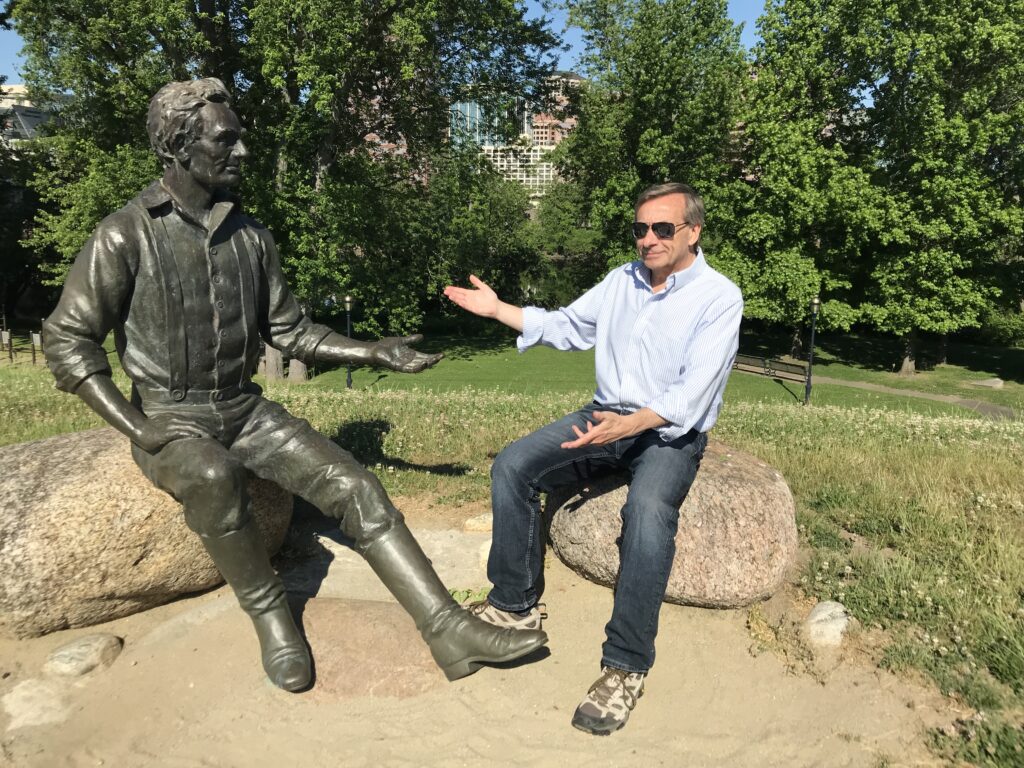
{"type": "Point", "coordinates": [395, 353]}
{"type": "Point", "coordinates": [161, 428]}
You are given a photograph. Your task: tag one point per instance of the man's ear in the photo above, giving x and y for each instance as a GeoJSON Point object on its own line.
{"type": "Point", "coordinates": [695, 231]}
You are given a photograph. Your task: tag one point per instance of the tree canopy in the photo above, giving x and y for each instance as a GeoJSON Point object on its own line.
{"type": "Point", "coordinates": [346, 105]}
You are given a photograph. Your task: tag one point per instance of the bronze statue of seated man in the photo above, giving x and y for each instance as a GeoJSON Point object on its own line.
{"type": "Point", "coordinates": [190, 285]}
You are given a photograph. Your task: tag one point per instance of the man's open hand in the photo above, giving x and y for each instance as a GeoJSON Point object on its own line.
{"type": "Point", "coordinates": [394, 352]}
{"type": "Point", "coordinates": [481, 300]}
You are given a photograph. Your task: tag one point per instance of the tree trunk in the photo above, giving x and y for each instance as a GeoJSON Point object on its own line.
{"type": "Point", "coordinates": [275, 365]}
{"type": "Point", "coordinates": [943, 348]}
{"type": "Point", "coordinates": [909, 365]}
{"type": "Point", "coordinates": [297, 371]}
{"type": "Point", "coordinates": [796, 343]}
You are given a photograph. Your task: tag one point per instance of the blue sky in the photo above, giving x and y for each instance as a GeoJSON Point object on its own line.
{"type": "Point", "coordinates": [745, 11]}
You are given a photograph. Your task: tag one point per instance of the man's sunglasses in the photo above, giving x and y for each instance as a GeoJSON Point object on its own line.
{"type": "Point", "coordinates": [663, 230]}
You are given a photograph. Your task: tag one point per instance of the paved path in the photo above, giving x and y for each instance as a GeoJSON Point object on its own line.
{"type": "Point", "coordinates": [988, 410]}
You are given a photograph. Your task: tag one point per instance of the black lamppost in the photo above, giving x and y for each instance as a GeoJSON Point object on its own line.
{"type": "Point", "coordinates": [815, 306]}
{"type": "Point", "coordinates": [349, 302]}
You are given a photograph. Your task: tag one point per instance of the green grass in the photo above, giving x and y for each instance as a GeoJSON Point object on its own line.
{"type": "Point", "coordinates": [495, 364]}
{"type": "Point", "coordinates": [854, 357]}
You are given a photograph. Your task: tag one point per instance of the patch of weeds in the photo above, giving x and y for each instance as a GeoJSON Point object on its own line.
{"type": "Point", "coordinates": [993, 743]}
{"type": "Point", "coordinates": [470, 595]}
{"type": "Point", "coordinates": [821, 533]}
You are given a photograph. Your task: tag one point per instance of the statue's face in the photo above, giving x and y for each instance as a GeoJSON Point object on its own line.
{"type": "Point", "coordinates": [215, 157]}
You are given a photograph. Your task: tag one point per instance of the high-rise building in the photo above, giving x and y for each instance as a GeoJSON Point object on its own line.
{"type": "Point", "coordinates": [524, 159]}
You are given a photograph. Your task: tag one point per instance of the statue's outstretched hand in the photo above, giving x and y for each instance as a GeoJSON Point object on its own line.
{"type": "Point", "coordinates": [481, 300]}
{"type": "Point", "coordinates": [395, 353]}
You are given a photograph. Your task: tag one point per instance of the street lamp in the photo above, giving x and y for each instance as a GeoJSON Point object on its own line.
{"type": "Point", "coordinates": [348, 302]}
{"type": "Point", "coordinates": [815, 307]}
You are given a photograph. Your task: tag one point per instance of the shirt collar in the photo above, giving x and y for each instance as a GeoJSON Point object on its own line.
{"type": "Point", "coordinates": [676, 280]}
{"type": "Point", "coordinates": [157, 195]}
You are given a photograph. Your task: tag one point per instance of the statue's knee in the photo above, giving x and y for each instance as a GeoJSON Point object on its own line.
{"type": "Point", "coordinates": [201, 478]}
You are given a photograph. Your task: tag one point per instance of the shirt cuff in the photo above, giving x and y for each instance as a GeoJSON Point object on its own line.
{"type": "Point", "coordinates": [533, 328]}
{"type": "Point", "coordinates": [670, 431]}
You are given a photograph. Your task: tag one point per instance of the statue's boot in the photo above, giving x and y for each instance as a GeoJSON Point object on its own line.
{"type": "Point", "coordinates": [459, 642]}
{"type": "Point", "coordinates": [243, 561]}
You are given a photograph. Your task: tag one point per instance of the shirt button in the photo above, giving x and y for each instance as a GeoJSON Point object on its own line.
{"type": "Point", "coordinates": [216, 279]}
{"type": "Point", "coordinates": [220, 305]}
{"type": "Point", "coordinates": [220, 363]}
{"type": "Point", "coordinates": [178, 394]}
{"type": "Point", "coordinates": [213, 251]}
{"type": "Point", "coordinates": [223, 334]}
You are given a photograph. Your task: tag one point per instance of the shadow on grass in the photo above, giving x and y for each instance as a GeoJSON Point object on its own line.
{"type": "Point", "coordinates": [467, 348]}
{"type": "Point", "coordinates": [365, 441]}
{"type": "Point", "coordinates": [885, 354]}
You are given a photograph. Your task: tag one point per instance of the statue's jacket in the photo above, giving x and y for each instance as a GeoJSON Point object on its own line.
{"type": "Point", "coordinates": [188, 306]}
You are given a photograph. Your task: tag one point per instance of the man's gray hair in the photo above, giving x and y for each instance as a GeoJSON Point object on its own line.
{"type": "Point", "coordinates": [173, 121]}
{"type": "Point", "coordinates": [694, 209]}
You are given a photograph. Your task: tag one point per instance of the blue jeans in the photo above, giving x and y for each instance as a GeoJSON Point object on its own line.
{"type": "Point", "coordinates": [661, 475]}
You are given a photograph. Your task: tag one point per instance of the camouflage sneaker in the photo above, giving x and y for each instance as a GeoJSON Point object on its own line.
{"type": "Point", "coordinates": [530, 619]}
{"type": "Point", "coordinates": [609, 701]}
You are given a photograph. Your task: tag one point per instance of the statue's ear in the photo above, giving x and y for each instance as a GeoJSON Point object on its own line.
{"type": "Point", "coordinates": [180, 149]}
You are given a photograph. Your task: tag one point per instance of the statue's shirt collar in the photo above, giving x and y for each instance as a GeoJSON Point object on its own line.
{"type": "Point", "coordinates": [156, 195]}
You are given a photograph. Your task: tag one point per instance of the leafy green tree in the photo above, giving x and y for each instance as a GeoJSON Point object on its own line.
{"type": "Point", "coordinates": [947, 122]}
{"type": "Point", "coordinates": [346, 104]}
{"type": "Point", "coordinates": [573, 260]}
{"type": "Point", "coordinates": [804, 213]}
{"type": "Point", "coordinates": [660, 104]}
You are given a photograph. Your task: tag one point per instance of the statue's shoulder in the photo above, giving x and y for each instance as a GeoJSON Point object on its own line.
{"type": "Point", "coordinates": [135, 212]}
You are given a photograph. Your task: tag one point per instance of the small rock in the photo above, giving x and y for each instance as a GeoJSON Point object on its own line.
{"type": "Point", "coordinates": [83, 655]}
{"type": "Point", "coordinates": [988, 383]}
{"type": "Point", "coordinates": [481, 523]}
{"type": "Point", "coordinates": [826, 624]}
{"type": "Point", "coordinates": [35, 702]}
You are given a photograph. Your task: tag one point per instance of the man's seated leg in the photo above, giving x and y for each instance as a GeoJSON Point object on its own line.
{"type": "Point", "coordinates": [308, 464]}
{"type": "Point", "coordinates": [530, 466]}
{"type": "Point", "coordinates": [662, 474]}
{"type": "Point", "coordinates": [211, 486]}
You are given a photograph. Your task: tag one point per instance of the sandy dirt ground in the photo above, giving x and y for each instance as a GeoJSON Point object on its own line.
{"type": "Point", "coordinates": [187, 690]}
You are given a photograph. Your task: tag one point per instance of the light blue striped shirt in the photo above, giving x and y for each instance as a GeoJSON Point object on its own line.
{"type": "Point", "coordinates": [669, 351]}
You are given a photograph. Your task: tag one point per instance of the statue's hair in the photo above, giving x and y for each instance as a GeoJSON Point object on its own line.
{"type": "Point", "coordinates": [173, 121]}
{"type": "Point", "coordinates": [694, 210]}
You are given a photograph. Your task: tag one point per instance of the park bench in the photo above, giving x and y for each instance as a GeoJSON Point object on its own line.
{"type": "Point", "coordinates": [776, 369]}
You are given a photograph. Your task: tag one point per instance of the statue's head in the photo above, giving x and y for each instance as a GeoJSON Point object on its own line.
{"type": "Point", "coordinates": [191, 123]}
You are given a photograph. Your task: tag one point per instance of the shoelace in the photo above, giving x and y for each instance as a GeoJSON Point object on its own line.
{"type": "Point", "coordinates": [604, 693]}
{"type": "Point", "coordinates": [479, 606]}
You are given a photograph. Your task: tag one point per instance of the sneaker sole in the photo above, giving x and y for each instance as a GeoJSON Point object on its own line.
{"type": "Point", "coordinates": [595, 727]}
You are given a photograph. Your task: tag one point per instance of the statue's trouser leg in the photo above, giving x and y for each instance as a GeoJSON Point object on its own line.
{"type": "Point", "coordinates": [310, 465]}
{"type": "Point", "coordinates": [661, 476]}
{"type": "Point", "coordinates": [211, 485]}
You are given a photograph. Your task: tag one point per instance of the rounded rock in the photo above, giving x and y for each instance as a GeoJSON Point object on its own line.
{"type": "Point", "coordinates": [736, 540]}
{"type": "Point", "coordinates": [83, 655]}
{"type": "Point", "coordinates": [86, 538]}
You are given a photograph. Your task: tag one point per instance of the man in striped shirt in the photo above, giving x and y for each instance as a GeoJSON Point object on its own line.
{"type": "Point", "coordinates": [665, 330]}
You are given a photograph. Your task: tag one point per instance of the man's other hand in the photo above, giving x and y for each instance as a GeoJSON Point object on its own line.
{"type": "Point", "coordinates": [394, 352]}
{"type": "Point", "coordinates": [482, 301]}
{"type": "Point", "coordinates": [609, 426]}
{"type": "Point", "coordinates": [162, 428]}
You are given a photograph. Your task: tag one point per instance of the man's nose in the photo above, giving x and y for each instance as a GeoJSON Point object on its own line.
{"type": "Point", "coordinates": [241, 151]}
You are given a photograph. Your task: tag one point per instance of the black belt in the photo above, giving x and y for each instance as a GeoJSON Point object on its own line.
{"type": "Point", "coordinates": [194, 396]}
